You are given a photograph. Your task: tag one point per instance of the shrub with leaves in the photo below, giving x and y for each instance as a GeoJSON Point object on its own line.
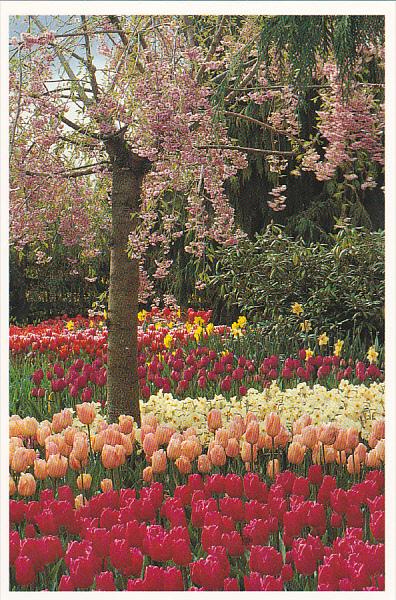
{"type": "Point", "coordinates": [339, 285]}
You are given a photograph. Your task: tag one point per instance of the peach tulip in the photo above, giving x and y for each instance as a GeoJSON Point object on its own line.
{"type": "Point", "coordinates": [86, 412]}
{"type": "Point", "coordinates": [272, 424]}
{"type": "Point", "coordinates": [57, 466]}
{"type": "Point", "coordinates": [26, 485]}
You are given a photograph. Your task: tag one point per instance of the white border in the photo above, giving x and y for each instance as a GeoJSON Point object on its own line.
{"type": "Point", "coordinates": [220, 7]}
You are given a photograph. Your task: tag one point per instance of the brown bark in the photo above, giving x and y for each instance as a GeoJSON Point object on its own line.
{"type": "Point", "coordinates": [122, 379]}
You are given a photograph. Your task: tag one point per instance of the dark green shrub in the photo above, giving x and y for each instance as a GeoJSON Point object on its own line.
{"type": "Point", "coordinates": [340, 285]}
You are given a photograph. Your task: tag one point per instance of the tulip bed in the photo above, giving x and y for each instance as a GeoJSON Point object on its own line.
{"type": "Point", "coordinates": [224, 532]}
{"type": "Point", "coordinates": [272, 481]}
{"type": "Point", "coordinates": [63, 360]}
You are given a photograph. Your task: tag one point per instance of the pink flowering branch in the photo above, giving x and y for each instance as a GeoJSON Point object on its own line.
{"type": "Point", "coordinates": [245, 149]}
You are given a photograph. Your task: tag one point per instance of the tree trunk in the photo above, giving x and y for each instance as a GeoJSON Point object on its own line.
{"type": "Point", "coordinates": [122, 379]}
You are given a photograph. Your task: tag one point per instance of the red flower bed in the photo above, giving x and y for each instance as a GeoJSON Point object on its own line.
{"type": "Point", "coordinates": [222, 532]}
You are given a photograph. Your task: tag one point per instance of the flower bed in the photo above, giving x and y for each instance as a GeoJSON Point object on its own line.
{"type": "Point", "coordinates": [224, 532]}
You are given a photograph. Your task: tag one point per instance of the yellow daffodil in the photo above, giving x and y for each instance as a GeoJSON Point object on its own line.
{"type": "Point", "coordinates": [236, 331]}
{"type": "Point", "coordinates": [241, 321]}
{"type": "Point", "coordinates": [142, 315]}
{"type": "Point", "coordinates": [305, 326]}
{"type": "Point", "coordinates": [209, 328]}
{"type": "Point", "coordinates": [323, 339]}
{"type": "Point", "coordinates": [198, 333]}
{"type": "Point", "coordinates": [338, 347]}
{"type": "Point", "coordinates": [70, 325]}
{"type": "Point", "coordinates": [308, 353]}
{"type": "Point", "coordinates": [297, 309]}
{"type": "Point", "coordinates": [168, 340]}
{"type": "Point", "coordinates": [199, 321]}
{"type": "Point", "coordinates": [372, 354]}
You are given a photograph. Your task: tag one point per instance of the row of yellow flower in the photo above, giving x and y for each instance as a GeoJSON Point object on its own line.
{"type": "Point", "coordinates": [348, 405]}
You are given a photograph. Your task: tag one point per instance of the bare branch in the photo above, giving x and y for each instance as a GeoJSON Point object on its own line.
{"type": "Point", "coordinates": [90, 65]}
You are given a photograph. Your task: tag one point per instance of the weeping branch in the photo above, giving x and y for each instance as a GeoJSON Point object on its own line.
{"type": "Point", "coordinates": [82, 171]}
{"type": "Point", "coordinates": [213, 46]}
{"type": "Point", "coordinates": [245, 149]}
{"type": "Point", "coordinates": [229, 113]}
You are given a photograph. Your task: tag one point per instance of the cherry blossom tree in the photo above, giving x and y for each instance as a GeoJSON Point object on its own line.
{"type": "Point", "coordinates": [140, 104]}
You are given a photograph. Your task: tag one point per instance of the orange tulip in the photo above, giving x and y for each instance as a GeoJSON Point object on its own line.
{"type": "Point", "coordinates": [150, 445]}
{"type": "Point", "coordinates": [159, 461]}
{"type": "Point", "coordinates": [328, 434]}
{"type": "Point", "coordinates": [15, 426]}
{"type": "Point", "coordinates": [190, 448]}
{"type": "Point", "coordinates": [372, 440]}
{"type": "Point", "coordinates": [120, 454]}
{"type": "Point", "coordinates": [86, 412]}
{"type": "Point", "coordinates": [29, 426]}
{"type": "Point", "coordinates": [378, 429]}
{"type": "Point", "coordinates": [360, 453]}
{"type": "Point", "coordinates": [264, 441]}
{"type": "Point", "coordinates": [204, 464]}
{"type": "Point", "coordinates": [232, 449]}
{"type": "Point", "coordinates": [20, 460]}
{"type": "Point", "coordinates": [273, 468]}
{"type": "Point", "coordinates": [75, 463]}
{"type": "Point", "coordinates": [147, 474]}
{"type": "Point", "coordinates": [341, 440]}
{"type": "Point", "coordinates": [173, 450]}
{"type": "Point", "coordinates": [84, 481]}
{"type": "Point", "coordinates": [106, 485]}
{"type": "Point", "coordinates": [126, 423]}
{"type": "Point", "coordinates": [352, 437]}
{"type": "Point", "coordinates": [40, 469]}
{"type": "Point", "coordinates": [353, 466]}
{"type": "Point", "coordinates": [295, 453]}
{"type": "Point", "coordinates": [380, 449]}
{"type": "Point", "coordinates": [341, 457]}
{"type": "Point", "coordinates": [42, 433]}
{"type": "Point", "coordinates": [109, 457]}
{"type": "Point", "coordinates": [282, 438]}
{"type": "Point", "coordinates": [300, 423]}
{"type": "Point", "coordinates": [330, 455]}
{"type": "Point", "coordinates": [12, 487]}
{"type": "Point", "coordinates": [272, 424]}
{"type": "Point", "coordinates": [69, 434]}
{"type": "Point", "coordinates": [372, 459]}
{"type": "Point", "coordinates": [222, 436]}
{"type": "Point", "coordinates": [248, 452]}
{"type": "Point", "coordinates": [217, 456]}
{"type": "Point", "coordinates": [309, 436]}
{"type": "Point", "coordinates": [252, 432]}
{"type": "Point", "coordinates": [26, 485]}
{"type": "Point", "coordinates": [214, 419]}
{"type": "Point", "coordinates": [57, 466]}
{"type": "Point", "coordinates": [190, 431]}
{"type": "Point", "coordinates": [80, 446]}
{"type": "Point", "coordinates": [183, 465]}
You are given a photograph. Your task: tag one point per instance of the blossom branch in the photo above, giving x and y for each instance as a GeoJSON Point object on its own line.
{"type": "Point", "coordinates": [213, 46]}
{"type": "Point", "coordinates": [245, 149]}
{"type": "Point", "coordinates": [262, 124]}
{"type": "Point", "coordinates": [90, 169]}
